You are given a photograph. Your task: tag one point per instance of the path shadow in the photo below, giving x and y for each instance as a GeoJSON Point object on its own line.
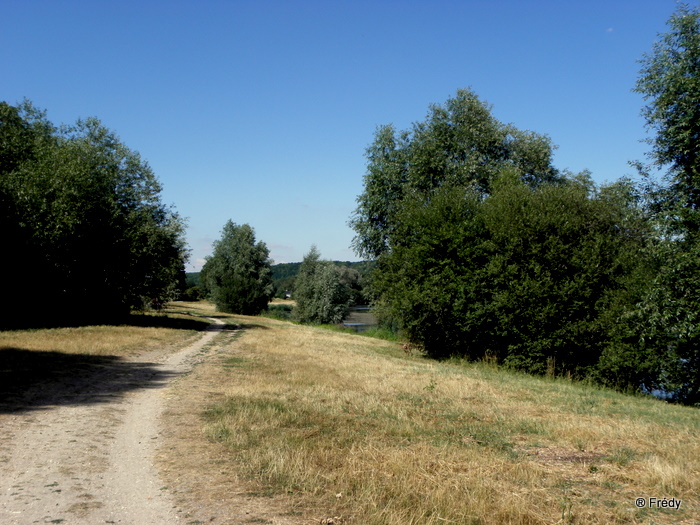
{"type": "Point", "coordinates": [140, 320]}
{"type": "Point", "coordinates": [35, 380]}
{"type": "Point", "coordinates": [231, 326]}
{"type": "Point", "coordinates": [162, 321]}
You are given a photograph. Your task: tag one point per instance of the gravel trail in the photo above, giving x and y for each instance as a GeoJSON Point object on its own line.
{"type": "Point", "coordinates": [83, 453]}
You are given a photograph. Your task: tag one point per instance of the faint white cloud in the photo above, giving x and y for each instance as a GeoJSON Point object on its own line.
{"type": "Point", "coordinates": [199, 247]}
{"type": "Point", "coordinates": [280, 253]}
{"type": "Point", "coordinates": [195, 265]}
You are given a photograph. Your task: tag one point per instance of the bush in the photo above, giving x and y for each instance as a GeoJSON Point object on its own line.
{"type": "Point", "coordinates": [531, 278]}
{"type": "Point", "coordinates": [193, 293]}
{"type": "Point", "coordinates": [283, 312]}
{"type": "Point", "coordinates": [320, 294]}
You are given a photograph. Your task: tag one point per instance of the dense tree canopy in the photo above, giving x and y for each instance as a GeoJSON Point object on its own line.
{"type": "Point", "coordinates": [486, 250]}
{"type": "Point", "coordinates": [459, 144]}
{"type": "Point", "coordinates": [529, 277]}
{"type": "Point", "coordinates": [84, 230]}
{"type": "Point", "coordinates": [237, 276]}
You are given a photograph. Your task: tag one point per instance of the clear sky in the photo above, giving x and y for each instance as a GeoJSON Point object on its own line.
{"type": "Point", "coordinates": [260, 111]}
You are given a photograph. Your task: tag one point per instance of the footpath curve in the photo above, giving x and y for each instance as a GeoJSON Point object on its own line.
{"type": "Point", "coordinates": [86, 457]}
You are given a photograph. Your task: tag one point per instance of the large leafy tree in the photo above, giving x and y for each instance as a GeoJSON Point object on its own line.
{"type": "Point", "coordinates": [485, 249]}
{"type": "Point", "coordinates": [666, 324]}
{"type": "Point", "coordinates": [322, 290]}
{"type": "Point", "coordinates": [21, 260]}
{"type": "Point", "coordinates": [237, 275]}
{"type": "Point", "coordinates": [459, 143]}
{"type": "Point", "coordinates": [83, 220]}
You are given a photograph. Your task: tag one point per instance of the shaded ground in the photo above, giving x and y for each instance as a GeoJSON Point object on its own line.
{"type": "Point", "coordinates": [78, 435]}
{"type": "Point", "coordinates": [31, 380]}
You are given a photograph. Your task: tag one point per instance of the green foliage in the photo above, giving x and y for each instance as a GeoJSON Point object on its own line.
{"type": "Point", "coordinates": [283, 277]}
{"type": "Point", "coordinates": [355, 273]}
{"type": "Point", "coordinates": [192, 279]}
{"type": "Point", "coordinates": [285, 271]}
{"type": "Point", "coordinates": [82, 218]}
{"type": "Point", "coordinates": [672, 318]}
{"type": "Point", "coordinates": [322, 294]}
{"type": "Point", "coordinates": [657, 342]}
{"type": "Point", "coordinates": [282, 312]}
{"type": "Point", "coordinates": [662, 330]}
{"type": "Point", "coordinates": [193, 293]}
{"type": "Point", "coordinates": [525, 276]}
{"type": "Point", "coordinates": [352, 281]}
{"type": "Point", "coordinates": [670, 81]}
{"type": "Point", "coordinates": [459, 144]}
{"type": "Point", "coordinates": [238, 276]}
{"type": "Point", "coordinates": [485, 250]}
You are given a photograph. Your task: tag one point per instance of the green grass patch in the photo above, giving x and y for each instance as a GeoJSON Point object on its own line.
{"type": "Point", "coordinates": [235, 362]}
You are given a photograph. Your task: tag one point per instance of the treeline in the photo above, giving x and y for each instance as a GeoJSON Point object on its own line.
{"type": "Point", "coordinates": [284, 277]}
{"type": "Point", "coordinates": [325, 290]}
{"type": "Point", "coordinates": [238, 278]}
{"type": "Point", "coordinates": [85, 235]}
{"type": "Point", "coordinates": [485, 249]}
{"type": "Point", "coordinates": [284, 274]}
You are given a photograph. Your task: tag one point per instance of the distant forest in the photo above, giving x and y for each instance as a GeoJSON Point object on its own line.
{"type": "Point", "coordinates": [284, 274]}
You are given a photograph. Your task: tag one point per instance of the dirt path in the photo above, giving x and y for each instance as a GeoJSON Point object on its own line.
{"type": "Point", "coordinates": [84, 454]}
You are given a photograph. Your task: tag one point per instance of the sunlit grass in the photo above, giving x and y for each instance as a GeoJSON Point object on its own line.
{"type": "Point", "coordinates": [148, 331]}
{"type": "Point", "coordinates": [351, 426]}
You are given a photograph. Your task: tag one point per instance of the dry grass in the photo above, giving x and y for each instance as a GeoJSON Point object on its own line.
{"type": "Point", "coordinates": [40, 365]}
{"type": "Point", "coordinates": [334, 424]}
{"type": "Point", "coordinates": [277, 300]}
{"type": "Point", "coordinates": [145, 333]}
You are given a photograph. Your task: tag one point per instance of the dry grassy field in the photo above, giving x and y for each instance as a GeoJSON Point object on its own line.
{"type": "Point", "coordinates": [313, 424]}
{"type": "Point", "coordinates": [282, 423]}
{"type": "Point", "coordinates": [138, 334]}
{"type": "Point", "coordinates": [31, 360]}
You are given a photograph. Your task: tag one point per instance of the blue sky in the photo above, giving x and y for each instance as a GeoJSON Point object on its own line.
{"type": "Point", "coordinates": [260, 111]}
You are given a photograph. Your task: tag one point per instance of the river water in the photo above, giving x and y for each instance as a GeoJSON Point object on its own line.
{"type": "Point", "coordinates": [360, 318]}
